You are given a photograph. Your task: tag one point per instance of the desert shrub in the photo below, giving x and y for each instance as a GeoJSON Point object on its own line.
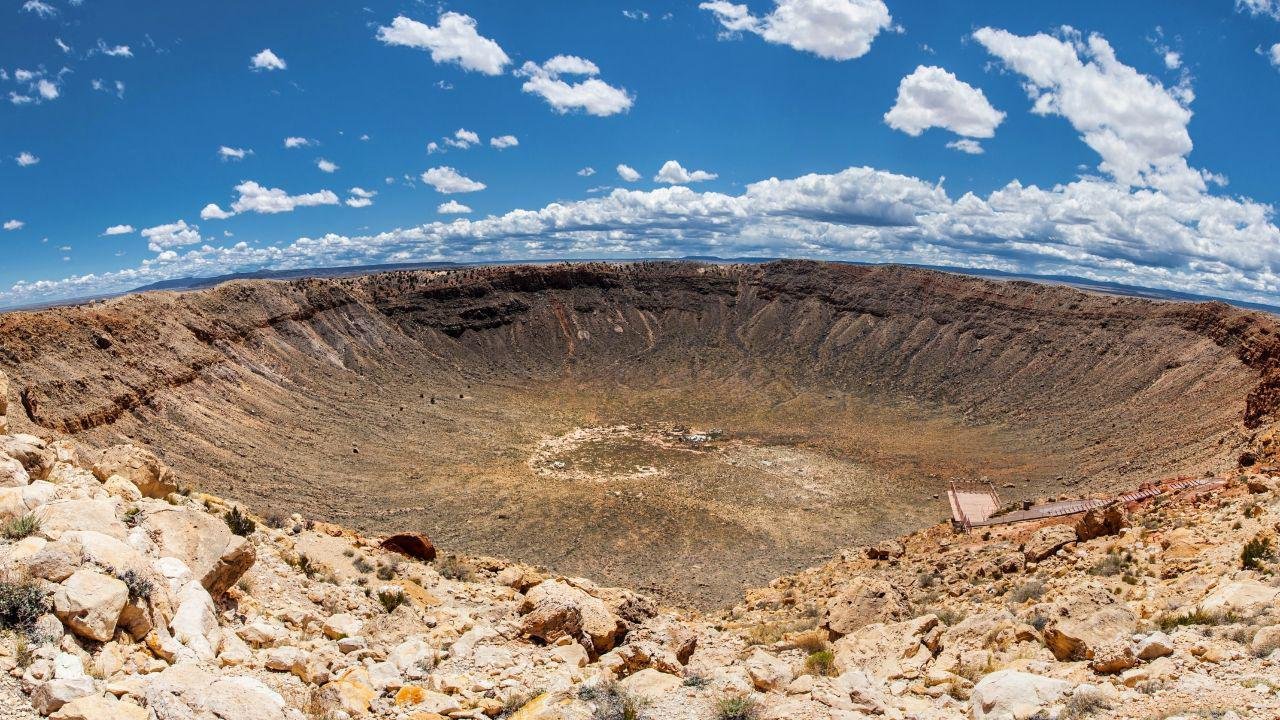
{"type": "Point", "coordinates": [1264, 649]}
{"type": "Point", "coordinates": [389, 570]}
{"type": "Point", "coordinates": [1196, 617]}
{"type": "Point", "coordinates": [821, 663]}
{"type": "Point", "coordinates": [1113, 563]}
{"type": "Point", "coordinates": [21, 527]}
{"type": "Point", "coordinates": [239, 523]}
{"type": "Point", "coordinates": [23, 655]}
{"type": "Point", "coordinates": [1257, 553]}
{"type": "Point", "coordinates": [1031, 590]}
{"type": "Point", "coordinates": [1084, 703]}
{"type": "Point", "coordinates": [362, 564]}
{"type": "Point", "coordinates": [454, 568]}
{"type": "Point", "coordinates": [275, 521]}
{"type": "Point", "coordinates": [140, 588]}
{"type": "Point", "coordinates": [949, 616]}
{"type": "Point", "coordinates": [737, 707]}
{"type": "Point", "coordinates": [22, 602]}
{"type": "Point", "coordinates": [694, 680]}
{"type": "Point", "coordinates": [132, 516]}
{"type": "Point", "coordinates": [391, 599]}
{"type": "Point", "coordinates": [810, 642]}
{"type": "Point", "coordinates": [306, 565]}
{"type": "Point", "coordinates": [612, 702]}
{"type": "Point", "coordinates": [512, 703]}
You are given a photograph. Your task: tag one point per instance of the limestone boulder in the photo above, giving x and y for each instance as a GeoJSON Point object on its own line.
{"type": "Point", "coordinates": [50, 696]}
{"type": "Point", "coordinates": [12, 473]}
{"type": "Point", "coordinates": [651, 684]}
{"type": "Point", "coordinates": [89, 603]}
{"type": "Point", "coordinates": [195, 624]}
{"type": "Point", "coordinates": [1086, 620]}
{"type": "Point", "coordinates": [18, 501]}
{"type": "Point", "coordinates": [767, 672]}
{"type": "Point", "coordinates": [1012, 694]}
{"type": "Point", "coordinates": [863, 601]}
{"type": "Point", "coordinates": [187, 691]}
{"type": "Point", "coordinates": [141, 467]}
{"type": "Point", "coordinates": [1046, 541]}
{"type": "Point", "coordinates": [887, 650]}
{"type": "Point", "coordinates": [35, 454]}
{"type": "Point", "coordinates": [62, 516]}
{"type": "Point", "coordinates": [1100, 522]}
{"type": "Point", "coordinates": [351, 692]}
{"type": "Point", "coordinates": [106, 551]}
{"type": "Point", "coordinates": [1241, 596]}
{"type": "Point", "coordinates": [215, 555]}
{"type": "Point", "coordinates": [55, 561]}
{"type": "Point", "coordinates": [343, 625]}
{"type": "Point", "coordinates": [99, 707]}
{"type": "Point", "coordinates": [554, 609]}
{"type": "Point", "coordinates": [1155, 645]}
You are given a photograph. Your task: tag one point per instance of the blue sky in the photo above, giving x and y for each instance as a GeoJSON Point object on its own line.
{"type": "Point", "coordinates": [1132, 142]}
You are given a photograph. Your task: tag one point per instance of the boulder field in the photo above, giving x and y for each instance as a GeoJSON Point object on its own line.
{"type": "Point", "coordinates": [125, 595]}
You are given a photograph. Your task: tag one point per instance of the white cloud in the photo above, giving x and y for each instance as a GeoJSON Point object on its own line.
{"type": "Point", "coordinates": [628, 173]}
{"type": "Point", "coordinates": [433, 147]}
{"type": "Point", "coordinates": [502, 142]}
{"type": "Point", "coordinates": [454, 40]}
{"type": "Point", "coordinates": [832, 29]}
{"type": "Point", "coordinates": [166, 237]}
{"type": "Point", "coordinates": [1137, 126]}
{"type": "Point", "coordinates": [326, 166]}
{"type": "Point", "coordinates": [13, 224]}
{"type": "Point", "coordinates": [635, 14]}
{"type": "Point", "coordinates": [453, 207]}
{"type": "Point", "coordinates": [26, 159]}
{"type": "Point", "coordinates": [1172, 59]}
{"type": "Point", "coordinates": [972, 147]}
{"type": "Point", "coordinates": [1092, 228]}
{"type": "Point", "coordinates": [360, 197]}
{"type": "Point", "coordinates": [932, 97]}
{"type": "Point", "coordinates": [1269, 8]}
{"type": "Point", "coordinates": [266, 60]}
{"type": "Point", "coordinates": [1274, 54]}
{"type": "Point", "coordinates": [213, 211]}
{"type": "Point", "coordinates": [673, 174]}
{"type": "Point", "coordinates": [47, 89]}
{"type": "Point", "coordinates": [258, 199]}
{"type": "Point", "coordinates": [297, 142]}
{"type": "Point", "coordinates": [42, 9]}
{"type": "Point", "coordinates": [587, 172]}
{"type": "Point", "coordinates": [462, 139]}
{"type": "Point", "coordinates": [114, 51]}
{"type": "Point", "coordinates": [61, 45]}
{"type": "Point", "coordinates": [118, 230]}
{"type": "Point", "coordinates": [230, 153]}
{"type": "Point", "coordinates": [448, 181]}
{"type": "Point", "coordinates": [101, 86]}
{"type": "Point", "coordinates": [592, 95]}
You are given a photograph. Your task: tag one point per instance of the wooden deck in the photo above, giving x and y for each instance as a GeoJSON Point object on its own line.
{"type": "Point", "coordinates": [1072, 507]}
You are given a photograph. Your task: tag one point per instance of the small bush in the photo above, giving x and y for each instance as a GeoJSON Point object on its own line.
{"type": "Point", "coordinates": [1196, 617]}
{"type": "Point", "coordinates": [22, 602]}
{"type": "Point", "coordinates": [275, 521]}
{"type": "Point", "coordinates": [821, 663]}
{"type": "Point", "coordinates": [388, 571]}
{"type": "Point", "coordinates": [1114, 563]}
{"type": "Point", "coordinates": [307, 566]}
{"type": "Point", "coordinates": [391, 599]}
{"type": "Point", "coordinates": [454, 568]}
{"type": "Point", "coordinates": [810, 642]}
{"type": "Point", "coordinates": [1085, 703]}
{"type": "Point", "coordinates": [132, 516]}
{"type": "Point", "coordinates": [239, 523]}
{"type": "Point", "coordinates": [694, 680]}
{"type": "Point", "coordinates": [1032, 590]}
{"type": "Point", "coordinates": [21, 527]}
{"type": "Point", "coordinates": [612, 702]}
{"type": "Point", "coordinates": [362, 565]}
{"type": "Point", "coordinates": [140, 588]}
{"type": "Point", "coordinates": [1257, 554]}
{"type": "Point", "coordinates": [22, 652]}
{"type": "Point", "coordinates": [737, 707]}
{"type": "Point", "coordinates": [512, 703]}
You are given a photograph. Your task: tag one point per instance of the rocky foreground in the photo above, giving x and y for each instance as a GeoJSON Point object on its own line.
{"type": "Point", "coordinates": [125, 596]}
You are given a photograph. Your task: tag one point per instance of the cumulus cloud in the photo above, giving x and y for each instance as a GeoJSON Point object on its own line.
{"type": "Point", "coordinates": [1268, 8]}
{"type": "Point", "coordinates": [592, 95]}
{"type": "Point", "coordinates": [118, 230]}
{"type": "Point", "coordinates": [673, 173]}
{"type": "Point", "coordinates": [259, 199]}
{"type": "Point", "coordinates": [297, 142]}
{"type": "Point", "coordinates": [932, 97]}
{"type": "Point", "coordinates": [832, 29]}
{"type": "Point", "coordinates": [1136, 124]}
{"type": "Point", "coordinates": [462, 139]}
{"type": "Point", "coordinates": [113, 50]}
{"type": "Point", "coordinates": [453, 207]}
{"type": "Point", "coordinates": [502, 142]}
{"type": "Point", "coordinates": [13, 224]}
{"type": "Point", "coordinates": [628, 173]}
{"type": "Point", "coordinates": [173, 235]}
{"type": "Point", "coordinates": [213, 211]}
{"type": "Point", "coordinates": [448, 181]}
{"type": "Point", "coordinates": [266, 60]}
{"type": "Point", "coordinates": [453, 40]}
{"type": "Point", "coordinates": [965, 145]}
{"type": "Point", "coordinates": [360, 197]}
{"type": "Point", "coordinates": [326, 166]}
{"type": "Point", "coordinates": [587, 172]}
{"type": "Point", "coordinates": [26, 159]}
{"type": "Point", "coordinates": [230, 153]}
{"type": "Point", "coordinates": [1093, 228]}
{"type": "Point", "coordinates": [1274, 55]}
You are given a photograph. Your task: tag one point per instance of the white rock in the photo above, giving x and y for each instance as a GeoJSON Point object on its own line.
{"type": "Point", "coordinates": [343, 625]}
{"type": "Point", "coordinates": [385, 676]}
{"type": "Point", "coordinates": [51, 695]}
{"type": "Point", "coordinates": [410, 653]}
{"type": "Point", "coordinates": [1154, 646]}
{"type": "Point", "coordinates": [1013, 694]}
{"type": "Point", "coordinates": [195, 624]}
{"type": "Point", "coordinates": [767, 672]}
{"type": "Point", "coordinates": [90, 604]}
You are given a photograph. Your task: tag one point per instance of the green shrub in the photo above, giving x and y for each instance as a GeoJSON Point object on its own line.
{"type": "Point", "coordinates": [612, 702]}
{"type": "Point", "coordinates": [391, 599]}
{"type": "Point", "coordinates": [239, 523]}
{"type": "Point", "coordinates": [1031, 590]}
{"type": "Point", "coordinates": [1257, 553]}
{"type": "Point", "coordinates": [821, 663]}
{"type": "Point", "coordinates": [737, 707]}
{"type": "Point", "coordinates": [21, 527]}
{"type": "Point", "coordinates": [22, 602]}
{"type": "Point", "coordinates": [362, 565]}
{"type": "Point", "coordinates": [454, 568]}
{"type": "Point", "coordinates": [1084, 703]}
{"type": "Point", "coordinates": [140, 588]}
{"type": "Point", "coordinates": [1196, 617]}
